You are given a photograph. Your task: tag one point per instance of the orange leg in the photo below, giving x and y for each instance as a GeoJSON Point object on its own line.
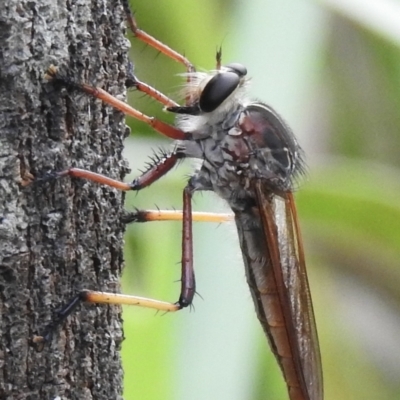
{"type": "Point", "coordinates": [173, 215]}
{"type": "Point", "coordinates": [152, 92]}
{"type": "Point", "coordinates": [160, 167]}
{"type": "Point", "coordinates": [158, 125]}
{"type": "Point", "coordinates": [151, 41]}
{"type": "Point", "coordinates": [90, 296]}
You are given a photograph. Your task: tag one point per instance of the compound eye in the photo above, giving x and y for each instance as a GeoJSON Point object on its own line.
{"type": "Point", "coordinates": [239, 69]}
{"type": "Point", "coordinates": [217, 90]}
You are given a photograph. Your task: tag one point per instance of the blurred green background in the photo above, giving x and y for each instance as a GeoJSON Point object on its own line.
{"type": "Point", "coordinates": [332, 69]}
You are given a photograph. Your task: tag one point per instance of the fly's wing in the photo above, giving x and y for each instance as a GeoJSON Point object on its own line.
{"type": "Point", "coordinates": [279, 219]}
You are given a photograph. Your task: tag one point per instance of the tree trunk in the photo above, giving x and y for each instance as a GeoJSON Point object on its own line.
{"type": "Point", "coordinates": [59, 236]}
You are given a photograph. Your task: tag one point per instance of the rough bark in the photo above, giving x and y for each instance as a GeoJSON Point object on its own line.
{"type": "Point", "coordinates": [60, 236]}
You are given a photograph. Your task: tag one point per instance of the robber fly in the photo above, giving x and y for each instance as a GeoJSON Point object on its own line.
{"type": "Point", "coordinates": [251, 159]}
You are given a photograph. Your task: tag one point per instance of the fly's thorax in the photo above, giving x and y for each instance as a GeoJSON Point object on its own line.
{"type": "Point", "coordinates": [266, 148]}
{"type": "Point", "coordinates": [252, 143]}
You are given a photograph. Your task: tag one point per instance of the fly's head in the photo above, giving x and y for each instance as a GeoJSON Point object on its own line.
{"type": "Point", "coordinates": [212, 96]}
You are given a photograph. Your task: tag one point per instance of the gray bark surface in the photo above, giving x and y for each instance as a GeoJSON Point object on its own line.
{"type": "Point", "coordinates": [60, 236]}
